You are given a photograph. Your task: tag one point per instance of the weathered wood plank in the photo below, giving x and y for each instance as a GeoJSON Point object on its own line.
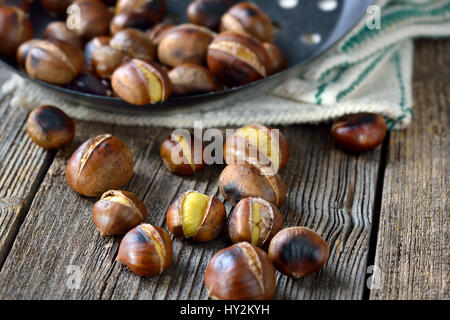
{"type": "Point", "coordinates": [22, 166]}
{"type": "Point", "coordinates": [329, 191]}
{"type": "Point", "coordinates": [413, 240]}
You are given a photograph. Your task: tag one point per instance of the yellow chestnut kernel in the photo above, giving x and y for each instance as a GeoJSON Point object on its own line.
{"type": "Point", "coordinates": [256, 217]}
{"type": "Point", "coordinates": [120, 200]}
{"type": "Point", "coordinates": [192, 212]}
{"type": "Point", "coordinates": [155, 87]}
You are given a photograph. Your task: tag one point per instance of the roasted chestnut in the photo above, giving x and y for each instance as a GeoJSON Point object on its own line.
{"type": "Point", "coordinates": [189, 78]}
{"type": "Point", "coordinates": [359, 132]}
{"type": "Point", "coordinates": [157, 32]}
{"type": "Point", "coordinates": [240, 272]}
{"type": "Point", "coordinates": [50, 128]}
{"type": "Point", "coordinates": [86, 81]}
{"type": "Point", "coordinates": [255, 141]}
{"type": "Point", "coordinates": [183, 154]}
{"type": "Point", "coordinates": [256, 221]}
{"type": "Point", "coordinates": [56, 7]}
{"type": "Point", "coordinates": [105, 60]}
{"type": "Point", "coordinates": [247, 17]}
{"type": "Point", "coordinates": [58, 31]}
{"type": "Point", "coordinates": [197, 216]}
{"type": "Point", "coordinates": [238, 59]}
{"type": "Point", "coordinates": [54, 62]}
{"type": "Point", "coordinates": [298, 251]}
{"type": "Point", "coordinates": [21, 4]}
{"type": "Point", "coordinates": [95, 43]}
{"type": "Point", "coordinates": [23, 50]}
{"type": "Point", "coordinates": [134, 43]}
{"type": "Point", "coordinates": [278, 61]}
{"type": "Point", "coordinates": [154, 9]}
{"type": "Point", "coordinates": [252, 180]}
{"type": "Point", "coordinates": [132, 19]}
{"type": "Point", "coordinates": [100, 164]}
{"type": "Point", "coordinates": [208, 13]}
{"type": "Point", "coordinates": [141, 82]}
{"type": "Point", "coordinates": [118, 212]}
{"type": "Point", "coordinates": [146, 250]}
{"type": "Point", "coordinates": [95, 20]}
{"type": "Point", "coordinates": [15, 29]}
{"type": "Point", "coordinates": [186, 43]}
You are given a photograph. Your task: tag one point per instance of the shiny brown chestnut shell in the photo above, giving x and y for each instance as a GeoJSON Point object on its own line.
{"type": "Point", "coordinates": [92, 45]}
{"type": "Point", "coordinates": [96, 18]}
{"type": "Point", "coordinates": [298, 251]}
{"type": "Point", "coordinates": [208, 13]}
{"type": "Point", "coordinates": [182, 154]}
{"type": "Point", "coordinates": [58, 31]}
{"type": "Point", "coordinates": [267, 145]}
{"type": "Point", "coordinates": [186, 43]}
{"type": "Point", "coordinates": [105, 60]}
{"type": "Point", "coordinates": [154, 9]}
{"type": "Point", "coordinates": [255, 221]}
{"type": "Point", "coordinates": [100, 164]}
{"type": "Point", "coordinates": [277, 59]}
{"type": "Point", "coordinates": [189, 78]}
{"type": "Point", "coordinates": [251, 180]}
{"type": "Point", "coordinates": [118, 212]}
{"type": "Point", "coordinates": [56, 7]}
{"type": "Point", "coordinates": [238, 59]}
{"type": "Point", "coordinates": [15, 29]}
{"type": "Point", "coordinates": [240, 272]}
{"type": "Point", "coordinates": [22, 52]}
{"type": "Point", "coordinates": [23, 5]}
{"type": "Point", "coordinates": [134, 43]}
{"type": "Point", "coordinates": [146, 250]}
{"type": "Point", "coordinates": [157, 32]}
{"type": "Point", "coordinates": [359, 132]}
{"type": "Point", "coordinates": [137, 19]}
{"type": "Point", "coordinates": [54, 62]}
{"type": "Point", "coordinates": [247, 17]}
{"type": "Point", "coordinates": [50, 128]}
{"type": "Point", "coordinates": [141, 82]}
{"type": "Point", "coordinates": [197, 216]}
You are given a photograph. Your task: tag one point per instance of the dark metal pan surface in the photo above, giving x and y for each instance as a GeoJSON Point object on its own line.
{"type": "Point", "coordinates": [295, 20]}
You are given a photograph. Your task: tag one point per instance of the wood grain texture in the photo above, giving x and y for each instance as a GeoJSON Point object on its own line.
{"type": "Point", "coordinates": [329, 191]}
{"type": "Point", "coordinates": [22, 166]}
{"type": "Point", "coordinates": [413, 251]}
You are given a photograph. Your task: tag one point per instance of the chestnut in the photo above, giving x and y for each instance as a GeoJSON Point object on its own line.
{"type": "Point", "coordinates": [182, 154]}
{"type": "Point", "coordinates": [15, 29]}
{"type": "Point", "coordinates": [141, 82]}
{"type": "Point", "coordinates": [93, 44]}
{"type": "Point", "coordinates": [96, 18]}
{"type": "Point", "coordinates": [56, 7]}
{"type": "Point", "coordinates": [208, 13]}
{"type": "Point", "coordinates": [118, 212]}
{"type": "Point", "coordinates": [138, 19]}
{"type": "Point", "coordinates": [240, 272]}
{"type": "Point", "coordinates": [86, 81]}
{"type": "Point", "coordinates": [247, 17]}
{"type": "Point", "coordinates": [237, 182]}
{"type": "Point", "coordinates": [54, 62]}
{"type": "Point", "coordinates": [50, 128]}
{"type": "Point", "coordinates": [276, 56]}
{"type": "Point", "coordinates": [185, 43]}
{"type": "Point", "coordinates": [134, 43]}
{"type": "Point", "coordinates": [359, 132]}
{"type": "Point", "coordinates": [189, 78]}
{"type": "Point", "coordinates": [100, 164]}
{"type": "Point", "coordinates": [157, 32]}
{"type": "Point", "coordinates": [23, 5]}
{"type": "Point", "coordinates": [238, 59]}
{"type": "Point", "coordinates": [197, 216]}
{"type": "Point", "coordinates": [105, 60]}
{"type": "Point", "coordinates": [146, 250]}
{"type": "Point", "coordinates": [267, 145]}
{"type": "Point", "coordinates": [22, 52]}
{"type": "Point", "coordinates": [298, 251]}
{"type": "Point", "coordinates": [58, 31]}
{"type": "Point", "coordinates": [256, 221]}
{"type": "Point", "coordinates": [153, 9]}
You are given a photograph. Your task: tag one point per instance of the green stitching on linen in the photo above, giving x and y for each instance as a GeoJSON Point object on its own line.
{"type": "Point", "coordinates": [390, 20]}
{"type": "Point", "coordinates": [322, 87]}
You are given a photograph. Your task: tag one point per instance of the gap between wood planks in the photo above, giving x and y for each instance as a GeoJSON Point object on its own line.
{"type": "Point", "coordinates": [50, 156]}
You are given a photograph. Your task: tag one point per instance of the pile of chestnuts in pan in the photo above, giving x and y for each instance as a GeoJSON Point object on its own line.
{"type": "Point", "coordinates": [126, 49]}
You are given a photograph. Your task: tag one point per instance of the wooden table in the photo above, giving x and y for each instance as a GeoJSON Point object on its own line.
{"type": "Point", "coordinates": [385, 214]}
